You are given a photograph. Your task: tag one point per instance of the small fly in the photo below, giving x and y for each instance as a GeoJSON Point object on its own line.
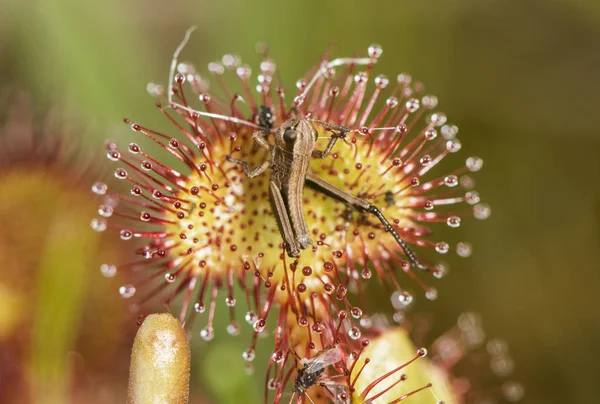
{"type": "Point", "coordinates": [312, 371]}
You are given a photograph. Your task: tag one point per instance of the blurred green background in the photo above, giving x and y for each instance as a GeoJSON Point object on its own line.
{"type": "Point", "coordinates": [520, 78]}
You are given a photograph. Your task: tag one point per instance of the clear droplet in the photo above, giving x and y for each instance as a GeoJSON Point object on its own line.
{"type": "Point", "coordinates": [401, 299]}
{"type": "Point", "coordinates": [207, 333]}
{"type": "Point", "coordinates": [429, 101]}
{"type": "Point", "coordinates": [230, 301]}
{"type": "Point", "coordinates": [449, 131]}
{"type": "Point", "coordinates": [513, 391]}
{"type": "Point", "coordinates": [199, 307]}
{"type": "Point", "coordinates": [430, 134]}
{"type": "Point", "coordinates": [502, 366]}
{"type": "Point", "coordinates": [233, 329]}
{"type": "Point", "coordinates": [464, 249]}
{"type": "Point", "coordinates": [451, 181]}
{"type": "Point", "coordinates": [431, 294]}
{"type": "Point", "coordinates": [453, 145]}
{"type": "Point", "coordinates": [482, 211]}
{"type": "Point", "coordinates": [251, 317]}
{"type": "Point", "coordinates": [126, 234]}
{"type": "Point", "coordinates": [437, 119]}
{"type": "Point", "coordinates": [442, 247]}
{"type": "Point", "coordinates": [412, 105]}
{"type": "Point", "coordinates": [99, 188]}
{"type": "Point", "coordinates": [248, 355]}
{"type": "Point", "coordinates": [169, 277]}
{"type": "Point", "coordinates": [277, 356]}
{"type": "Point", "coordinates": [356, 312]}
{"type": "Point", "coordinates": [354, 333]}
{"type": "Point", "coordinates": [381, 81]}
{"type": "Point", "coordinates": [259, 325]}
{"type": "Point", "coordinates": [474, 164]}
{"type": "Point", "coordinates": [453, 221]}
{"type": "Point", "coordinates": [98, 224]}
{"type": "Point", "coordinates": [108, 270]}
{"type": "Point", "coordinates": [127, 291]}
{"type": "Point", "coordinates": [472, 197]}
{"type": "Point", "coordinates": [404, 78]}
{"type": "Point", "coordinates": [375, 50]}
{"type": "Point", "coordinates": [155, 90]}
{"type": "Point", "coordinates": [272, 384]}
{"type": "Point", "coordinates": [105, 210]}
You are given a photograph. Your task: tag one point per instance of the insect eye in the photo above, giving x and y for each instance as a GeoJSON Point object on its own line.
{"type": "Point", "coordinates": [290, 135]}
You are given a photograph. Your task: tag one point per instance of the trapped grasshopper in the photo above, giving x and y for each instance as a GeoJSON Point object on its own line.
{"type": "Point", "coordinates": [289, 158]}
{"type": "Point", "coordinates": [290, 155]}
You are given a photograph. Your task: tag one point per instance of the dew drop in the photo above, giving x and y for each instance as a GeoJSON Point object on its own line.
{"type": "Point", "coordinates": [482, 211]}
{"type": "Point", "coordinates": [98, 224]}
{"type": "Point", "coordinates": [356, 312]}
{"type": "Point", "coordinates": [449, 131]}
{"type": "Point", "coordinates": [216, 68]}
{"type": "Point", "coordinates": [170, 278]}
{"type": "Point", "coordinates": [120, 174]}
{"type": "Point", "coordinates": [502, 366]}
{"type": "Point", "coordinates": [437, 118]}
{"type": "Point", "coordinates": [233, 329]}
{"type": "Point", "coordinates": [439, 271]}
{"type": "Point", "coordinates": [354, 333]}
{"type": "Point", "coordinates": [451, 180]}
{"type": "Point", "coordinates": [125, 234]}
{"type": "Point", "coordinates": [442, 247]}
{"type": "Point", "coordinates": [207, 333]}
{"type": "Point", "coordinates": [272, 384]}
{"type": "Point", "coordinates": [401, 299]}
{"type": "Point", "coordinates": [155, 90]}
{"type": "Point", "coordinates": [428, 205]}
{"type": "Point", "coordinates": [251, 317]}
{"type": "Point", "coordinates": [375, 51]}
{"type": "Point", "coordinates": [474, 164]}
{"type": "Point", "coordinates": [431, 294]}
{"type": "Point", "coordinates": [430, 134]}
{"type": "Point", "coordinates": [105, 210]}
{"type": "Point", "coordinates": [513, 391]}
{"type": "Point", "coordinates": [248, 355]}
{"type": "Point", "coordinates": [472, 197]}
{"type": "Point", "coordinates": [429, 101]}
{"type": "Point", "coordinates": [464, 249]}
{"type": "Point", "coordinates": [422, 352]}
{"type": "Point", "coordinates": [113, 155]}
{"type": "Point", "coordinates": [199, 308]}
{"type": "Point", "coordinates": [277, 356]}
{"type": "Point", "coordinates": [230, 301]}
{"type": "Point", "coordinates": [259, 325]}
{"type": "Point", "coordinates": [366, 273]}
{"type": "Point", "coordinates": [392, 102]}
{"type": "Point", "coordinates": [453, 145]}
{"type": "Point", "coordinates": [99, 188]}
{"type": "Point", "coordinates": [243, 72]}
{"type": "Point", "coordinates": [425, 160]}
{"type": "Point", "coordinates": [453, 221]}
{"type": "Point", "coordinates": [404, 78]}
{"type": "Point", "coordinates": [381, 81]}
{"type": "Point", "coordinates": [398, 317]}
{"type": "Point", "coordinates": [127, 291]}
{"type": "Point", "coordinates": [108, 270]}
{"type": "Point", "coordinates": [412, 105]}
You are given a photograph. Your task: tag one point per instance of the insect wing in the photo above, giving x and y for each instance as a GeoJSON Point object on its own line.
{"type": "Point", "coordinates": [323, 359]}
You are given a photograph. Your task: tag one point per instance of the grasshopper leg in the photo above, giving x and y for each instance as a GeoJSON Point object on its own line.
{"type": "Point", "coordinates": [283, 221]}
{"type": "Point", "coordinates": [363, 205]}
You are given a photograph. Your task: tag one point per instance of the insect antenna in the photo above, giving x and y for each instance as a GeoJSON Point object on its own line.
{"type": "Point", "coordinates": [193, 112]}
{"type": "Point", "coordinates": [329, 65]}
{"type": "Point", "coordinates": [407, 250]}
